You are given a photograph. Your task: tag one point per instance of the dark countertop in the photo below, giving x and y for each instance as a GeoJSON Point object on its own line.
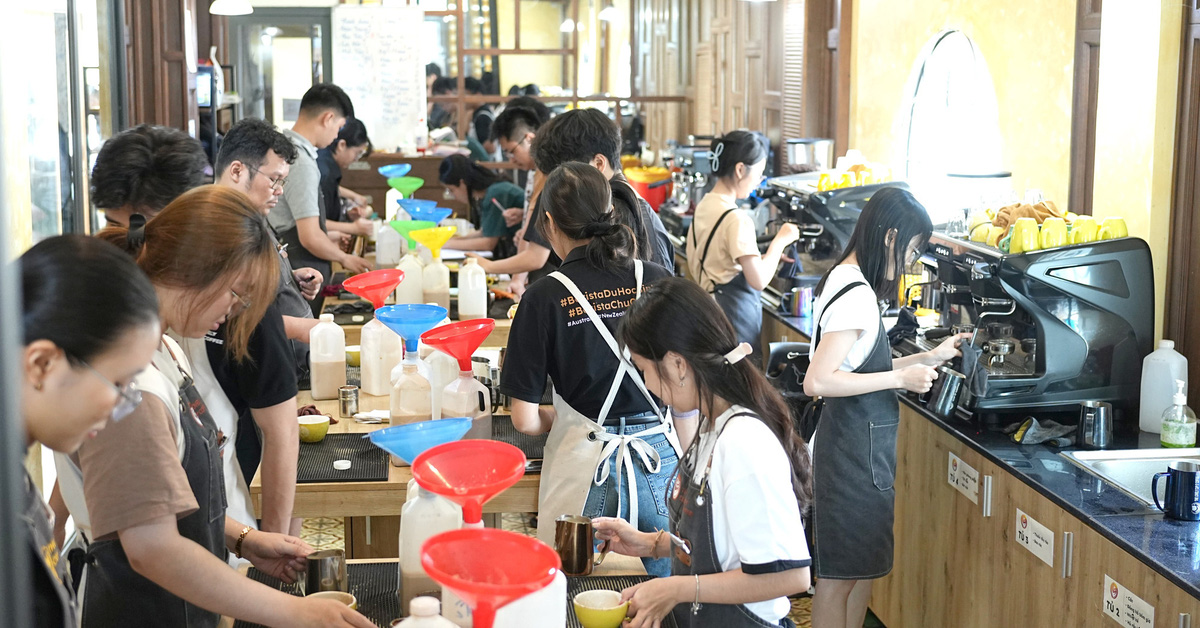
{"type": "Point", "coordinates": [1172, 548]}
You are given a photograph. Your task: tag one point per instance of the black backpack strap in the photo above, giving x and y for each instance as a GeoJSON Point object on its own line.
{"type": "Point", "coordinates": [817, 323]}
{"type": "Point", "coordinates": [708, 243]}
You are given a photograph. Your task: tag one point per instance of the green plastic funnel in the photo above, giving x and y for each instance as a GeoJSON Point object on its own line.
{"type": "Point", "coordinates": [405, 227]}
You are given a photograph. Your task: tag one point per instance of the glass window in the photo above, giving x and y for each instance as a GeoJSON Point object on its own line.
{"type": "Point", "coordinates": [279, 56]}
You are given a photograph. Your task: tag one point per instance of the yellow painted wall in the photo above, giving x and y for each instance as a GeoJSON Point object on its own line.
{"type": "Point", "coordinates": [1029, 49]}
{"type": "Point", "coordinates": [1135, 123]}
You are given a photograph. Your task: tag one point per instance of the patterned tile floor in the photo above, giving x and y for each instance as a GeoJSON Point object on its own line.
{"type": "Point", "coordinates": [331, 534]}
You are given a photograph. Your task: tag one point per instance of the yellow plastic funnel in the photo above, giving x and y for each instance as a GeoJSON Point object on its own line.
{"type": "Point", "coordinates": [434, 239]}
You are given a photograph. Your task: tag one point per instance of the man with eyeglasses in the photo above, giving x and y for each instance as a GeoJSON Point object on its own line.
{"type": "Point", "coordinates": [299, 216]}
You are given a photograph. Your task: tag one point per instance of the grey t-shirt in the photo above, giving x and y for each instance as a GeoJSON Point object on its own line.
{"type": "Point", "coordinates": [301, 199]}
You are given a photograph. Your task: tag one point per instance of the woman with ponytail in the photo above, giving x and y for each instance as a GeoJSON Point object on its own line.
{"type": "Point", "coordinates": [743, 486]}
{"type": "Point", "coordinates": [722, 248]}
{"type": "Point", "coordinates": [153, 482]}
{"type": "Point", "coordinates": [610, 450]}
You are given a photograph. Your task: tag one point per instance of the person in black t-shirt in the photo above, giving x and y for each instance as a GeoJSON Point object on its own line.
{"type": "Point", "coordinates": [589, 136]}
{"type": "Point", "coordinates": [351, 145]}
{"type": "Point", "coordinates": [564, 329]}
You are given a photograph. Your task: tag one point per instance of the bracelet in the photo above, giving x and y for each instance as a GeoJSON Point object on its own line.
{"type": "Point", "coordinates": [696, 605]}
{"type": "Point", "coordinates": [237, 548]}
{"type": "Point", "coordinates": [654, 549]}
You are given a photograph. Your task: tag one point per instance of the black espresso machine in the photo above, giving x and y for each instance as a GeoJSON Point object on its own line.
{"type": "Point", "coordinates": [1051, 328]}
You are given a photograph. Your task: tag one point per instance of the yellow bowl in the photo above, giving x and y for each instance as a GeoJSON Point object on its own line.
{"type": "Point", "coordinates": [600, 609]}
{"type": "Point", "coordinates": [313, 428]}
{"type": "Point", "coordinates": [337, 596]}
{"type": "Point", "coordinates": [353, 355]}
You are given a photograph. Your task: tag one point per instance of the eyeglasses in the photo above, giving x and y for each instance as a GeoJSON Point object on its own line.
{"type": "Point", "coordinates": [508, 154]}
{"type": "Point", "coordinates": [245, 303]}
{"type": "Point", "coordinates": [129, 397]}
{"type": "Point", "coordinates": [276, 183]}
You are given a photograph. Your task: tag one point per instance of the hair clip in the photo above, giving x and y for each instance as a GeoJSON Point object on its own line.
{"type": "Point", "coordinates": [714, 156]}
{"type": "Point", "coordinates": [737, 353]}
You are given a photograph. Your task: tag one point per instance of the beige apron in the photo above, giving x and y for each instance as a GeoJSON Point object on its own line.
{"type": "Point", "coordinates": [578, 448]}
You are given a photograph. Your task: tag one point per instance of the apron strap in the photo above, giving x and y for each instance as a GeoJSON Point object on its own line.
{"type": "Point", "coordinates": [708, 243]}
{"type": "Point", "coordinates": [624, 368]}
{"type": "Point", "coordinates": [817, 324]}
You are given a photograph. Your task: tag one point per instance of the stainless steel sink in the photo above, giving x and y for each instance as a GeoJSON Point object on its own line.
{"type": "Point", "coordinates": [1131, 470]}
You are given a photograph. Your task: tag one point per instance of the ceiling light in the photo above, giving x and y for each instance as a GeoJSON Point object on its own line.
{"type": "Point", "coordinates": [230, 7]}
{"type": "Point", "coordinates": [567, 26]}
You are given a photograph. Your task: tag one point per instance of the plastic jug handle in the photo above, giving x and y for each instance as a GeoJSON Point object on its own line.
{"type": "Point", "coordinates": [483, 402]}
{"type": "Point", "coordinates": [1154, 488]}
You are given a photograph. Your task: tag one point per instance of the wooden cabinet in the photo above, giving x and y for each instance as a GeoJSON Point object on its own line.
{"type": "Point", "coordinates": [957, 567]}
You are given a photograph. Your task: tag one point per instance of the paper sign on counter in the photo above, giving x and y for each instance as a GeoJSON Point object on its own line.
{"type": "Point", "coordinates": [1035, 537]}
{"type": "Point", "coordinates": [1124, 607]}
{"type": "Point", "coordinates": [963, 477]}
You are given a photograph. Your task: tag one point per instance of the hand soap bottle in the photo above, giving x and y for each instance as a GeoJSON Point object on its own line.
{"type": "Point", "coordinates": [1178, 421]}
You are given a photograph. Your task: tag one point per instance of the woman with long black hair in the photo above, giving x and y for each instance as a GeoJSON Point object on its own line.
{"type": "Point", "coordinates": [488, 196]}
{"type": "Point", "coordinates": [743, 485]}
{"type": "Point", "coordinates": [854, 449]}
{"type": "Point", "coordinates": [610, 450]}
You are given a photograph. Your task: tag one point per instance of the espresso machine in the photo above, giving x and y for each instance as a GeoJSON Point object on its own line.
{"type": "Point", "coordinates": [1050, 328]}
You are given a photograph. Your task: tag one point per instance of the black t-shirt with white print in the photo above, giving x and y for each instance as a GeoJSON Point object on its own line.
{"type": "Point", "coordinates": [551, 335]}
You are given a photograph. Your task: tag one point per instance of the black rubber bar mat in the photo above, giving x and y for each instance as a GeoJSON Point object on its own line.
{"type": "Point", "coordinates": [575, 586]}
{"type": "Point", "coordinates": [373, 584]}
{"type": "Point", "coordinates": [368, 463]}
{"type": "Point", "coordinates": [532, 446]}
{"type": "Point", "coordinates": [353, 378]}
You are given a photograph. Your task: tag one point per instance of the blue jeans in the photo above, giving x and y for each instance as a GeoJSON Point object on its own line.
{"type": "Point", "coordinates": [652, 496]}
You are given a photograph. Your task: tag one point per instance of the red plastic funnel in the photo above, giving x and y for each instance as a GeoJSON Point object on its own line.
{"type": "Point", "coordinates": [375, 285]}
{"type": "Point", "coordinates": [459, 340]}
{"type": "Point", "coordinates": [469, 472]}
{"type": "Point", "coordinates": [488, 568]}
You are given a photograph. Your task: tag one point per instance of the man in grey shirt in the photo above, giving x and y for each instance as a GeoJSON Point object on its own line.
{"type": "Point", "coordinates": [299, 218]}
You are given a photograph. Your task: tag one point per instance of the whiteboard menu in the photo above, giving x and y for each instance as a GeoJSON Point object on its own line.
{"type": "Point", "coordinates": [377, 59]}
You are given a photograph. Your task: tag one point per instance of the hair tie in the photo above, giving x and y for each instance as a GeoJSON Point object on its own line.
{"type": "Point", "coordinates": [714, 156]}
{"type": "Point", "coordinates": [135, 236]}
{"type": "Point", "coordinates": [737, 353]}
{"type": "Point", "coordinates": [600, 229]}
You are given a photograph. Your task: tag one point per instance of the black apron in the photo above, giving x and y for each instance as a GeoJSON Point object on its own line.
{"type": "Point", "coordinates": [116, 595]}
{"type": "Point", "coordinates": [692, 520]}
{"type": "Point", "coordinates": [53, 602]}
{"type": "Point", "coordinates": [741, 303]}
{"type": "Point", "coordinates": [291, 302]}
{"type": "Point", "coordinates": [300, 257]}
{"type": "Point", "coordinates": [854, 469]}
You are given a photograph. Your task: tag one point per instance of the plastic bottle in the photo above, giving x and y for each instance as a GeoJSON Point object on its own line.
{"type": "Point", "coordinates": [381, 352]}
{"type": "Point", "coordinates": [425, 612]}
{"type": "Point", "coordinates": [1160, 369]}
{"type": "Point", "coordinates": [544, 608]}
{"type": "Point", "coordinates": [420, 518]}
{"type": "Point", "coordinates": [1178, 421]}
{"type": "Point", "coordinates": [466, 396]}
{"type": "Point", "coordinates": [410, 401]}
{"type": "Point", "coordinates": [435, 284]}
{"type": "Point", "coordinates": [410, 291]}
{"type": "Point", "coordinates": [387, 246]}
{"type": "Point", "coordinates": [472, 291]}
{"type": "Point", "coordinates": [443, 369]}
{"type": "Point", "coordinates": [327, 358]}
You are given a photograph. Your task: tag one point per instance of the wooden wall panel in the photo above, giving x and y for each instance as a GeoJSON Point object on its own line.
{"type": "Point", "coordinates": [162, 89]}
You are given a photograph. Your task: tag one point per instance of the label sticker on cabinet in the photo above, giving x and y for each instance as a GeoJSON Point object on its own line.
{"type": "Point", "coordinates": [1124, 607]}
{"type": "Point", "coordinates": [963, 477]}
{"type": "Point", "coordinates": [1035, 537]}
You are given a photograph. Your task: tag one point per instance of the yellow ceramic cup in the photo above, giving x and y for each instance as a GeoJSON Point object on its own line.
{"type": "Point", "coordinates": [353, 355]}
{"type": "Point", "coordinates": [994, 234]}
{"type": "Point", "coordinates": [1054, 233]}
{"type": "Point", "coordinates": [313, 428]}
{"type": "Point", "coordinates": [1084, 230]}
{"type": "Point", "coordinates": [1025, 236]}
{"type": "Point", "coordinates": [979, 233]}
{"type": "Point", "coordinates": [1112, 228]}
{"type": "Point", "coordinates": [337, 596]}
{"type": "Point", "coordinates": [824, 182]}
{"type": "Point", "coordinates": [600, 609]}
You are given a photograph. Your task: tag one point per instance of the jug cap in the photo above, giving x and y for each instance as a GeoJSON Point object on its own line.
{"type": "Point", "coordinates": [327, 318]}
{"type": "Point", "coordinates": [1166, 344]}
{"type": "Point", "coordinates": [424, 606]}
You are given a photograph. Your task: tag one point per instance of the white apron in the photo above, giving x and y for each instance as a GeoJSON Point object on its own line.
{"type": "Point", "coordinates": [578, 448]}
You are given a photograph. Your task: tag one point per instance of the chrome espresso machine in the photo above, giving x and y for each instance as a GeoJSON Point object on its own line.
{"type": "Point", "coordinates": [1051, 328]}
{"type": "Point", "coordinates": [691, 179]}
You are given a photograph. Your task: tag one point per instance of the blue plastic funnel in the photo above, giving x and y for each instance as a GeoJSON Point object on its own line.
{"type": "Point", "coordinates": [411, 205]}
{"type": "Point", "coordinates": [394, 170]}
{"type": "Point", "coordinates": [411, 440]}
{"type": "Point", "coordinates": [410, 320]}
{"type": "Point", "coordinates": [432, 214]}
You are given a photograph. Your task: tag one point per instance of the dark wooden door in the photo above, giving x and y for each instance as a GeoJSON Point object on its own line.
{"type": "Point", "coordinates": [1083, 107]}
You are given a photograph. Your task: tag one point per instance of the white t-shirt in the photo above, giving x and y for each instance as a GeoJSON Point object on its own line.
{"type": "Point", "coordinates": [734, 239]}
{"type": "Point", "coordinates": [756, 520]}
{"type": "Point", "coordinates": [857, 310]}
